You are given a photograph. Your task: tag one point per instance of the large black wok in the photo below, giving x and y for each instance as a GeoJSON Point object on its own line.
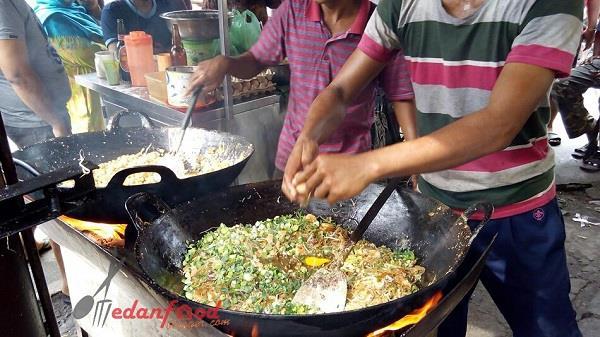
{"type": "Point", "coordinates": [99, 147]}
{"type": "Point", "coordinates": [439, 238]}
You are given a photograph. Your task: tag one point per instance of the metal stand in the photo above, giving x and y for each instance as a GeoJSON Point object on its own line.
{"type": "Point", "coordinates": [224, 42]}
{"type": "Point", "coordinates": [19, 310]}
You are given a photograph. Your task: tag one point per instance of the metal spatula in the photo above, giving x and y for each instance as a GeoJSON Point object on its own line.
{"type": "Point", "coordinates": [188, 117]}
{"type": "Point", "coordinates": [327, 288]}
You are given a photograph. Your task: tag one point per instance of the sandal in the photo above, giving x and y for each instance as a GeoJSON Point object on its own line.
{"type": "Point", "coordinates": [591, 164]}
{"type": "Point", "coordinates": [554, 139]}
{"type": "Point", "coordinates": [587, 152]}
{"type": "Point", "coordinates": [581, 150]}
{"type": "Point", "coordinates": [584, 151]}
{"type": "Point", "coordinates": [572, 187]}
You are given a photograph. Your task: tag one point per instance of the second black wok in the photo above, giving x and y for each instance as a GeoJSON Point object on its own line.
{"type": "Point", "coordinates": [107, 205]}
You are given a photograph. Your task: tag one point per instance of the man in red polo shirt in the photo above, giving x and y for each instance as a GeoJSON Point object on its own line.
{"type": "Point", "coordinates": [317, 37]}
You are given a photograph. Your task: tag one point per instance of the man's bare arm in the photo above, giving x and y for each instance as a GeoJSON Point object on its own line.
{"type": "Point", "coordinates": [518, 91]}
{"type": "Point", "coordinates": [405, 112]}
{"type": "Point", "coordinates": [28, 86]}
{"type": "Point", "coordinates": [327, 112]}
{"type": "Point", "coordinates": [210, 73]}
{"type": "Point", "coordinates": [329, 108]}
{"type": "Point", "coordinates": [593, 10]}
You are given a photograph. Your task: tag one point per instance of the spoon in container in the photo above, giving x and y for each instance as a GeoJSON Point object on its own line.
{"type": "Point", "coordinates": [188, 116]}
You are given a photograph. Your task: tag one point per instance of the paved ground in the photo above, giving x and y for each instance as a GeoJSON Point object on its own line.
{"type": "Point", "coordinates": [583, 249]}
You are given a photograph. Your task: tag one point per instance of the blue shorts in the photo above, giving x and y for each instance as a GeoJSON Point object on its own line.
{"type": "Point", "coordinates": [526, 275]}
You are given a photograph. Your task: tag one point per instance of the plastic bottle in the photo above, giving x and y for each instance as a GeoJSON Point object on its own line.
{"type": "Point", "coordinates": [139, 57]}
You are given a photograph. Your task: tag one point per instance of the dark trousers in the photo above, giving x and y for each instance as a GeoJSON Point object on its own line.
{"type": "Point", "coordinates": [526, 275]}
{"type": "Point", "coordinates": [24, 137]}
{"type": "Point", "coordinates": [568, 93]}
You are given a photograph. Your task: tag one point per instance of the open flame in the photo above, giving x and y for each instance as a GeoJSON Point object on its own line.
{"type": "Point", "coordinates": [105, 234]}
{"type": "Point", "coordinates": [255, 331]}
{"type": "Point", "coordinates": [413, 318]}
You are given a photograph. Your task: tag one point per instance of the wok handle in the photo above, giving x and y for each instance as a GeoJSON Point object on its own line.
{"type": "Point", "coordinates": [114, 123]}
{"type": "Point", "coordinates": [481, 206]}
{"type": "Point", "coordinates": [25, 166]}
{"type": "Point", "coordinates": [167, 177]}
{"type": "Point", "coordinates": [143, 208]}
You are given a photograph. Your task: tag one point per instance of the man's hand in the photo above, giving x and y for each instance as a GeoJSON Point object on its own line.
{"type": "Point", "coordinates": [61, 129]}
{"type": "Point", "coordinates": [588, 37]}
{"type": "Point", "coordinates": [305, 151]}
{"type": "Point", "coordinates": [333, 177]}
{"type": "Point", "coordinates": [209, 74]}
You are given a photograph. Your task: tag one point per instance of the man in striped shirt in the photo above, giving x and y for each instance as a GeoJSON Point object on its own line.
{"type": "Point", "coordinates": [317, 37]}
{"type": "Point", "coordinates": [481, 71]}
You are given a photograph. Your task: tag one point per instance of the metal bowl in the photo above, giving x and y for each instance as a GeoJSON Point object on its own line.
{"type": "Point", "coordinates": [199, 25]}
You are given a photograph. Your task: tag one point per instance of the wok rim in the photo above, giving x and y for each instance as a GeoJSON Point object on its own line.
{"type": "Point", "coordinates": [105, 134]}
{"type": "Point", "coordinates": [167, 15]}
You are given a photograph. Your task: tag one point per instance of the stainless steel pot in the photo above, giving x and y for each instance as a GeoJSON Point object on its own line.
{"type": "Point", "coordinates": [198, 25]}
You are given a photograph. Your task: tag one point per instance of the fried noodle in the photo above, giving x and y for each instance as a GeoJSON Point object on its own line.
{"type": "Point", "coordinates": [258, 268]}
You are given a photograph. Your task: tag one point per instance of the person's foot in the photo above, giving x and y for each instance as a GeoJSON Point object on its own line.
{"type": "Point", "coordinates": [592, 163]}
{"type": "Point", "coordinates": [42, 242]}
{"type": "Point", "coordinates": [585, 152]}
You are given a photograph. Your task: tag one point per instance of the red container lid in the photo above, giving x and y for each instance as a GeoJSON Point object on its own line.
{"type": "Point", "coordinates": [138, 38]}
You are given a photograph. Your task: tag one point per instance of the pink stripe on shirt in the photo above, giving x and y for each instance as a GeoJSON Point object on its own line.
{"type": "Point", "coordinates": [546, 57]}
{"type": "Point", "coordinates": [519, 207]}
{"type": "Point", "coordinates": [464, 76]}
{"type": "Point", "coordinates": [503, 160]}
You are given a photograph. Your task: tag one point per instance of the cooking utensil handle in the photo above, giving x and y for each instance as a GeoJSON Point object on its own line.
{"type": "Point", "coordinates": [114, 123]}
{"type": "Point", "coordinates": [167, 177]}
{"type": "Point", "coordinates": [482, 206]}
{"type": "Point", "coordinates": [190, 109]}
{"type": "Point", "coordinates": [143, 208]}
{"type": "Point", "coordinates": [372, 212]}
{"type": "Point", "coordinates": [188, 116]}
{"type": "Point", "coordinates": [25, 166]}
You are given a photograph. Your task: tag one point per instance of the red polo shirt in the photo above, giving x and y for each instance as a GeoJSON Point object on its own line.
{"type": "Point", "coordinates": [297, 31]}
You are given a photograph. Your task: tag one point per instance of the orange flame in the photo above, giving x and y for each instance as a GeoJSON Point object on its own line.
{"type": "Point", "coordinates": [413, 318]}
{"type": "Point", "coordinates": [255, 331]}
{"type": "Point", "coordinates": [105, 234]}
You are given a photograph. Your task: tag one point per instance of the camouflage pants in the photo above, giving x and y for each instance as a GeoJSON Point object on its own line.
{"type": "Point", "coordinates": [568, 94]}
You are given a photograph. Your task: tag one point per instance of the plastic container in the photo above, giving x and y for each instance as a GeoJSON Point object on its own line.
{"type": "Point", "coordinates": [140, 58]}
{"type": "Point", "coordinates": [157, 86]}
{"type": "Point", "coordinates": [99, 58]}
{"type": "Point", "coordinates": [111, 70]}
{"type": "Point", "coordinates": [198, 51]}
{"type": "Point", "coordinates": [163, 61]}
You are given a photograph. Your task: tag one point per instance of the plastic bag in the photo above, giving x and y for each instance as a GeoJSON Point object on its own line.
{"type": "Point", "coordinates": [245, 30]}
